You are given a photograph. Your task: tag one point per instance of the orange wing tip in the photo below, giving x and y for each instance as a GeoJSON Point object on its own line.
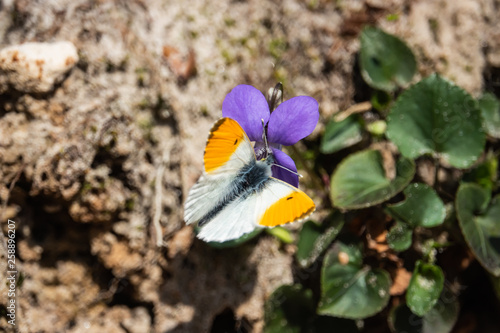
{"type": "Point", "coordinates": [285, 211]}
{"type": "Point", "coordinates": [225, 137]}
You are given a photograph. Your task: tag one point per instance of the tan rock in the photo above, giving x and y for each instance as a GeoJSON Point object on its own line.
{"type": "Point", "coordinates": [35, 67]}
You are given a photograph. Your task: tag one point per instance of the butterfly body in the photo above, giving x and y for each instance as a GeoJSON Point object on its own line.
{"type": "Point", "coordinates": [236, 192]}
{"type": "Point", "coordinates": [250, 180]}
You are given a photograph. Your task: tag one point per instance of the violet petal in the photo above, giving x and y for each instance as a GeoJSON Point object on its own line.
{"type": "Point", "coordinates": [247, 106]}
{"type": "Point", "coordinates": [283, 159]}
{"type": "Point", "coordinates": [293, 120]}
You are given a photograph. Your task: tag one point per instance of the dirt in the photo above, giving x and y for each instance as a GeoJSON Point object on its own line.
{"type": "Point", "coordinates": [149, 83]}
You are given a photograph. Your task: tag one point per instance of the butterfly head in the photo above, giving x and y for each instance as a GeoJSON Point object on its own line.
{"type": "Point", "coordinates": [269, 158]}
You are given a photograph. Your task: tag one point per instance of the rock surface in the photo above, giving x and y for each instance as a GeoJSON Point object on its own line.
{"type": "Point", "coordinates": [35, 67]}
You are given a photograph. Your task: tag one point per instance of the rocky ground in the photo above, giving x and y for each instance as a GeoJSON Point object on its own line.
{"type": "Point", "coordinates": [103, 141]}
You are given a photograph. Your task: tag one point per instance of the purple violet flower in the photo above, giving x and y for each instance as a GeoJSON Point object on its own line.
{"type": "Point", "coordinates": [292, 121]}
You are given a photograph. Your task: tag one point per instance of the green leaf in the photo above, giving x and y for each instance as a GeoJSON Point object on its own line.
{"type": "Point", "coordinates": [386, 61]}
{"type": "Point", "coordinates": [380, 100]}
{"type": "Point", "coordinates": [435, 116]}
{"type": "Point", "coordinates": [360, 181]}
{"type": "Point", "coordinates": [440, 319]}
{"type": "Point", "coordinates": [485, 174]}
{"type": "Point", "coordinates": [490, 110]}
{"type": "Point", "coordinates": [281, 233]}
{"type": "Point", "coordinates": [314, 239]}
{"type": "Point", "coordinates": [399, 237]}
{"type": "Point", "coordinates": [479, 221]}
{"type": "Point", "coordinates": [289, 309]}
{"type": "Point", "coordinates": [425, 287]}
{"type": "Point", "coordinates": [342, 134]}
{"type": "Point", "coordinates": [235, 242]}
{"type": "Point", "coordinates": [348, 289]}
{"type": "Point", "coordinates": [422, 207]}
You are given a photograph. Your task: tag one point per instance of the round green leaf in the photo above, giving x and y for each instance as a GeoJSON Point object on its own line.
{"type": "Point", "coordinates": [342, 134]}
{"type": "Point", "coordinates": [399, 237]}
{"type": "Point", "coordinates": [436, 116]}
{"type": "Point", "coordinates": [314, 239]}
{"type": "Point", "coordinates": [422, 207]}
{"type": "Point", "coordinates": [386, 62]}
{"type": "Point", "coordinates": [360, 180]}
{"type": "Point", "coordinates": [349, 290]}
{"type": "Point", "coordinates": [440, 319]}
{"type": "Point", "coordinates": [425, 287]}
{"type": "Point", "coordinates": [490, 110]}
{"type": "Point", "coordinates": [289, 309]}
{"type": "Point", "coordinates": [479, 220]}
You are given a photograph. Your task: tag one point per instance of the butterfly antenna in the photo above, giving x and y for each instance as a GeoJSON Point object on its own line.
{"type": "Point", "coordinates": [280, 166]}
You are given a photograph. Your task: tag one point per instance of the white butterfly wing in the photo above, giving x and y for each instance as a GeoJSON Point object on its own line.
{"type": "Point", "coordinates": [280, 203]}
{"type": "Point", "coordinates": [237, 219]}
{"type": "Point", "coordinates": [227, 151]}
{"type": "Point", "coordinates": [275, 204]}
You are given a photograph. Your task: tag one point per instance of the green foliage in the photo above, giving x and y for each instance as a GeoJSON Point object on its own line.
{"type": "Point", "coordinates": [422, 207]}
{"type": "Point", "coordinates": [386, 62]}
{"type": "Point", "coordinates": [291, 309]}
{"type": "Point", "coordinates": [281, 233]}
{"type": "Point", "coordinates": [342, 134]}
{"type": "Point", "coordinates": [434, 127]}
{"type": "Point", "coordinates": [436, 117]}
{"type": "Point", "coordinates": [479, 217]}
{"type": "Point", "coordinates": [314, 239]}
{"type": "Point", "coordinates": [485, 174]}
{"type": "Point", "coordinates": [380, 100]}
{"type": "Point", "coordinates": [288, 309]}
{"type": "Point", "coordinates": [361, 181]}
{"type": "Point", "coordinates": [490, 110]}
{"type": "Point", "coordinates": [400, 236]}
{"type": "Point", "coordinates": [425, 287]}
{"type": "Point", "coordinates": [350, 289]}
{"type": "Point", "coordinates": [440, 319]}
{"type": "Point", "coordinates": [377, 128]}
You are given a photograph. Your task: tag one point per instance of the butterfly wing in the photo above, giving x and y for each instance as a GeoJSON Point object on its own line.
{"type": "Point", "coordinates": [275, 204]}
{"type": "Point", "coordinates": [280, 203]}
{"type": "Point", "coordinates": [235, 220]}
{"type": "Point", "coordinates": [227, 151]}
{"type": "Point", "coordinates": [228, 148]}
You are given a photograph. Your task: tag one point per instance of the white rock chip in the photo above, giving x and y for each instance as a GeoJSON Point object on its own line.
{"type": "Point", "coordinates": [35, 67]}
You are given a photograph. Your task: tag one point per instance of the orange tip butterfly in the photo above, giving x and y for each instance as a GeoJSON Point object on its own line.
{"type": "Point", "coordinates": [236, 193]}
